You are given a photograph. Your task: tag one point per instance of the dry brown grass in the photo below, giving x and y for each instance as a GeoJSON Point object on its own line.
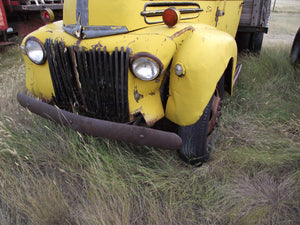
{"type": "Point", "coordinates": [266, 199]}
{"type": "Point", "coordinates": [284, 24]}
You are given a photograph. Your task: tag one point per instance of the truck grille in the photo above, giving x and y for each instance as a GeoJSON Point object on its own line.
{"type": "Point", "coordinates": [91, 82]}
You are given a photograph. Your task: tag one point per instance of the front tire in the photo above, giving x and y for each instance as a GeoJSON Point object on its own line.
{"type": "Point", "coordinates": [198, 139]}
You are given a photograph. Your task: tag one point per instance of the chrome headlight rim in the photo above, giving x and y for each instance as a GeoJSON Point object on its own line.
{"type": "Point", "coordinates": [150, 57]}
{"type": "Point", "coordinates": [41, 45]}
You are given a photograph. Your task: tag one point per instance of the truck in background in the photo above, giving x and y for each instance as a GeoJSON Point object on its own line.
{"type": "Point", "coordinates": [24, 16]}
{"type": "Point", "coordinates": [3, 25]}
{"type": "Point", "coordinates": [254, 23]}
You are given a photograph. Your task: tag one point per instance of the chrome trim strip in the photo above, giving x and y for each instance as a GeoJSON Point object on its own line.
{"type": "Point", "coordinates": [152, 13]}
{"type": "Point", "coordinates": [160, 12]}
{"type": "Point", "coordinates": [94, 31]}
{"type": "Point", "coordinates": [82, 12]}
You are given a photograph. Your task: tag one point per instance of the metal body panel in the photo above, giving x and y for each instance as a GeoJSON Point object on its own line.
{"type": "Point", "coordinates": [120, 13]}
{"type": "Point", "coordinates": [205, 54]}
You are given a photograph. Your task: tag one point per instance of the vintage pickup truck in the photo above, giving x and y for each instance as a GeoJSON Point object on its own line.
{"type": "Point", "coordinates": [146, 72]}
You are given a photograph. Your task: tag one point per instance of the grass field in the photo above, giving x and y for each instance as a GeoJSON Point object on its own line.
{"type": "Point", "coordinates": [283, 6]}
{"type": "Point", "coordinates": [52, 175]}
{"type": "Point", "coordinates": [284, 23]}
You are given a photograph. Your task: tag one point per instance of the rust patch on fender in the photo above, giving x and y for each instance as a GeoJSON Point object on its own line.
{"type": "Point", "coordinates": [178, 33]}
{"type": "Point", "coordinates": [44, 99]}
{"type": "Point", "coordinates": [137, 95]}
{"type": "Point", "coordinates": [98, 45]}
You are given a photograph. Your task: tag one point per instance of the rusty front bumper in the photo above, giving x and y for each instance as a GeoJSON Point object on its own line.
{"type": "Point", "coordinates": [100, 128]}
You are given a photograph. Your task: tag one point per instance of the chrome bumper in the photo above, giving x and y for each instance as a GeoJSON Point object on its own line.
{"type": "Point", "coordinates": [100, 128]}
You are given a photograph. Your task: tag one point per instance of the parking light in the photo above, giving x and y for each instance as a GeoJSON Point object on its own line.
{"type": "Point", "coordinates": [47, 15]}
{"type": "Point", "coordinates": [179, 70]}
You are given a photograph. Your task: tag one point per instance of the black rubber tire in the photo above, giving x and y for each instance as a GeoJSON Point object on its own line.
{"type": "Point", "coordinates": [295, 51]}
{"type": "Point", "coordinates": [256, 42]}
{"type": "Point", "coordinates": [197, 141]}
{"type": "Point", "coordinates": [249, 41]}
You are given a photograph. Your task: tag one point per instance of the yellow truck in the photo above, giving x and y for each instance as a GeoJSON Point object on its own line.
{"type": "Point", "coordinates": [147, 72]}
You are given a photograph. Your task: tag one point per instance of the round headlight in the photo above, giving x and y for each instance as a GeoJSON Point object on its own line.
{"type": "Point", "coordinates": [145, 68]}
{"type": "Point", "coordinates": [35, 50]}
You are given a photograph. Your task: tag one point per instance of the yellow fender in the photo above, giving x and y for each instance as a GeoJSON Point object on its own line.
{"type": "Point", "coordinates": [204, 53]}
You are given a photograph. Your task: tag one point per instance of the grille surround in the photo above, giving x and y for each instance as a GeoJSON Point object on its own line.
{"type": "Point", "coordinates": [92, 82]}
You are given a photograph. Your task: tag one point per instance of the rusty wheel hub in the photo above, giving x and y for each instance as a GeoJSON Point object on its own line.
{"type": "Point", "coordinates": [215, 114]}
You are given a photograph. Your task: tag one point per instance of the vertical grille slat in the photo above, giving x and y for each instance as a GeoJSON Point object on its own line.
{"type": "Point", "coordinates": [56, 64]}
{"type": "Point", "coordinates": [106, 83]}
{"type": "Point", "coordinates": [101, 84]}
{"type": "Point", "coordinates": [91, 82]}
{"type": "Point", "coordinates": [74, 70]}
{"type": "Point", "coordinates": [57, 67]}
{"type": "Point", "coordinates": [80, 67]}
{"type": "Point", "coordinates": [117, 82]}
{"type": "Point", "coordinates": [71, 77]}
{"type": "Point", "coordinates": [96, 82]}
{"type": "Point", "coordinates": [125, 86]}
{"type": "Point", "coordinates": [62, 70]}
{"type": "Point", "coordinates": [122, 81]}
{"type": "Point", "coordinates": [111, 84]}
{"type": "Point", "coordinates": [80, 72]}
{"type": "Point", "coordinates": [86, 78]}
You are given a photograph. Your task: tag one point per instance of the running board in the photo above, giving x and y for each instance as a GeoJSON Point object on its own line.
{"type": "Point", "coordinates": [238, 69]}
{"type": "Point", "coordinates": [6, 43]}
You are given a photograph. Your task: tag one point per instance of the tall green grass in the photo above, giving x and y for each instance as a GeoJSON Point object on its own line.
{"type": "Point", "coordinates": [52, 175]}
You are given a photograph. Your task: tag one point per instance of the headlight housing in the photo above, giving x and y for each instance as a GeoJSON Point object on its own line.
{"type": "Point", "coordinates": [35, 50]}
{"type": "Point", "coordinates": [146, 66]}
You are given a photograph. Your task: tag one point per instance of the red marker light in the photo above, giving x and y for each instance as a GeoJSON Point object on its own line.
{"type": "Point", "coordinates": [171, 16]}
{"type": "Point", "coordinates": [47, 15]}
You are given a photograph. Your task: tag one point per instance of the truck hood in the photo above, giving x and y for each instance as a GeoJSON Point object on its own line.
{"type": "Point", "coordinates": [97, 18]}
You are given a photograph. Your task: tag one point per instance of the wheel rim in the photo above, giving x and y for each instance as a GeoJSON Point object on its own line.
{"type": "Point", "coordinates": [215, 114]}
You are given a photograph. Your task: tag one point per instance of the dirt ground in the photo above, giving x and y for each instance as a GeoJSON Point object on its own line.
{"type": "Point", "coordinates": [284, 23]}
